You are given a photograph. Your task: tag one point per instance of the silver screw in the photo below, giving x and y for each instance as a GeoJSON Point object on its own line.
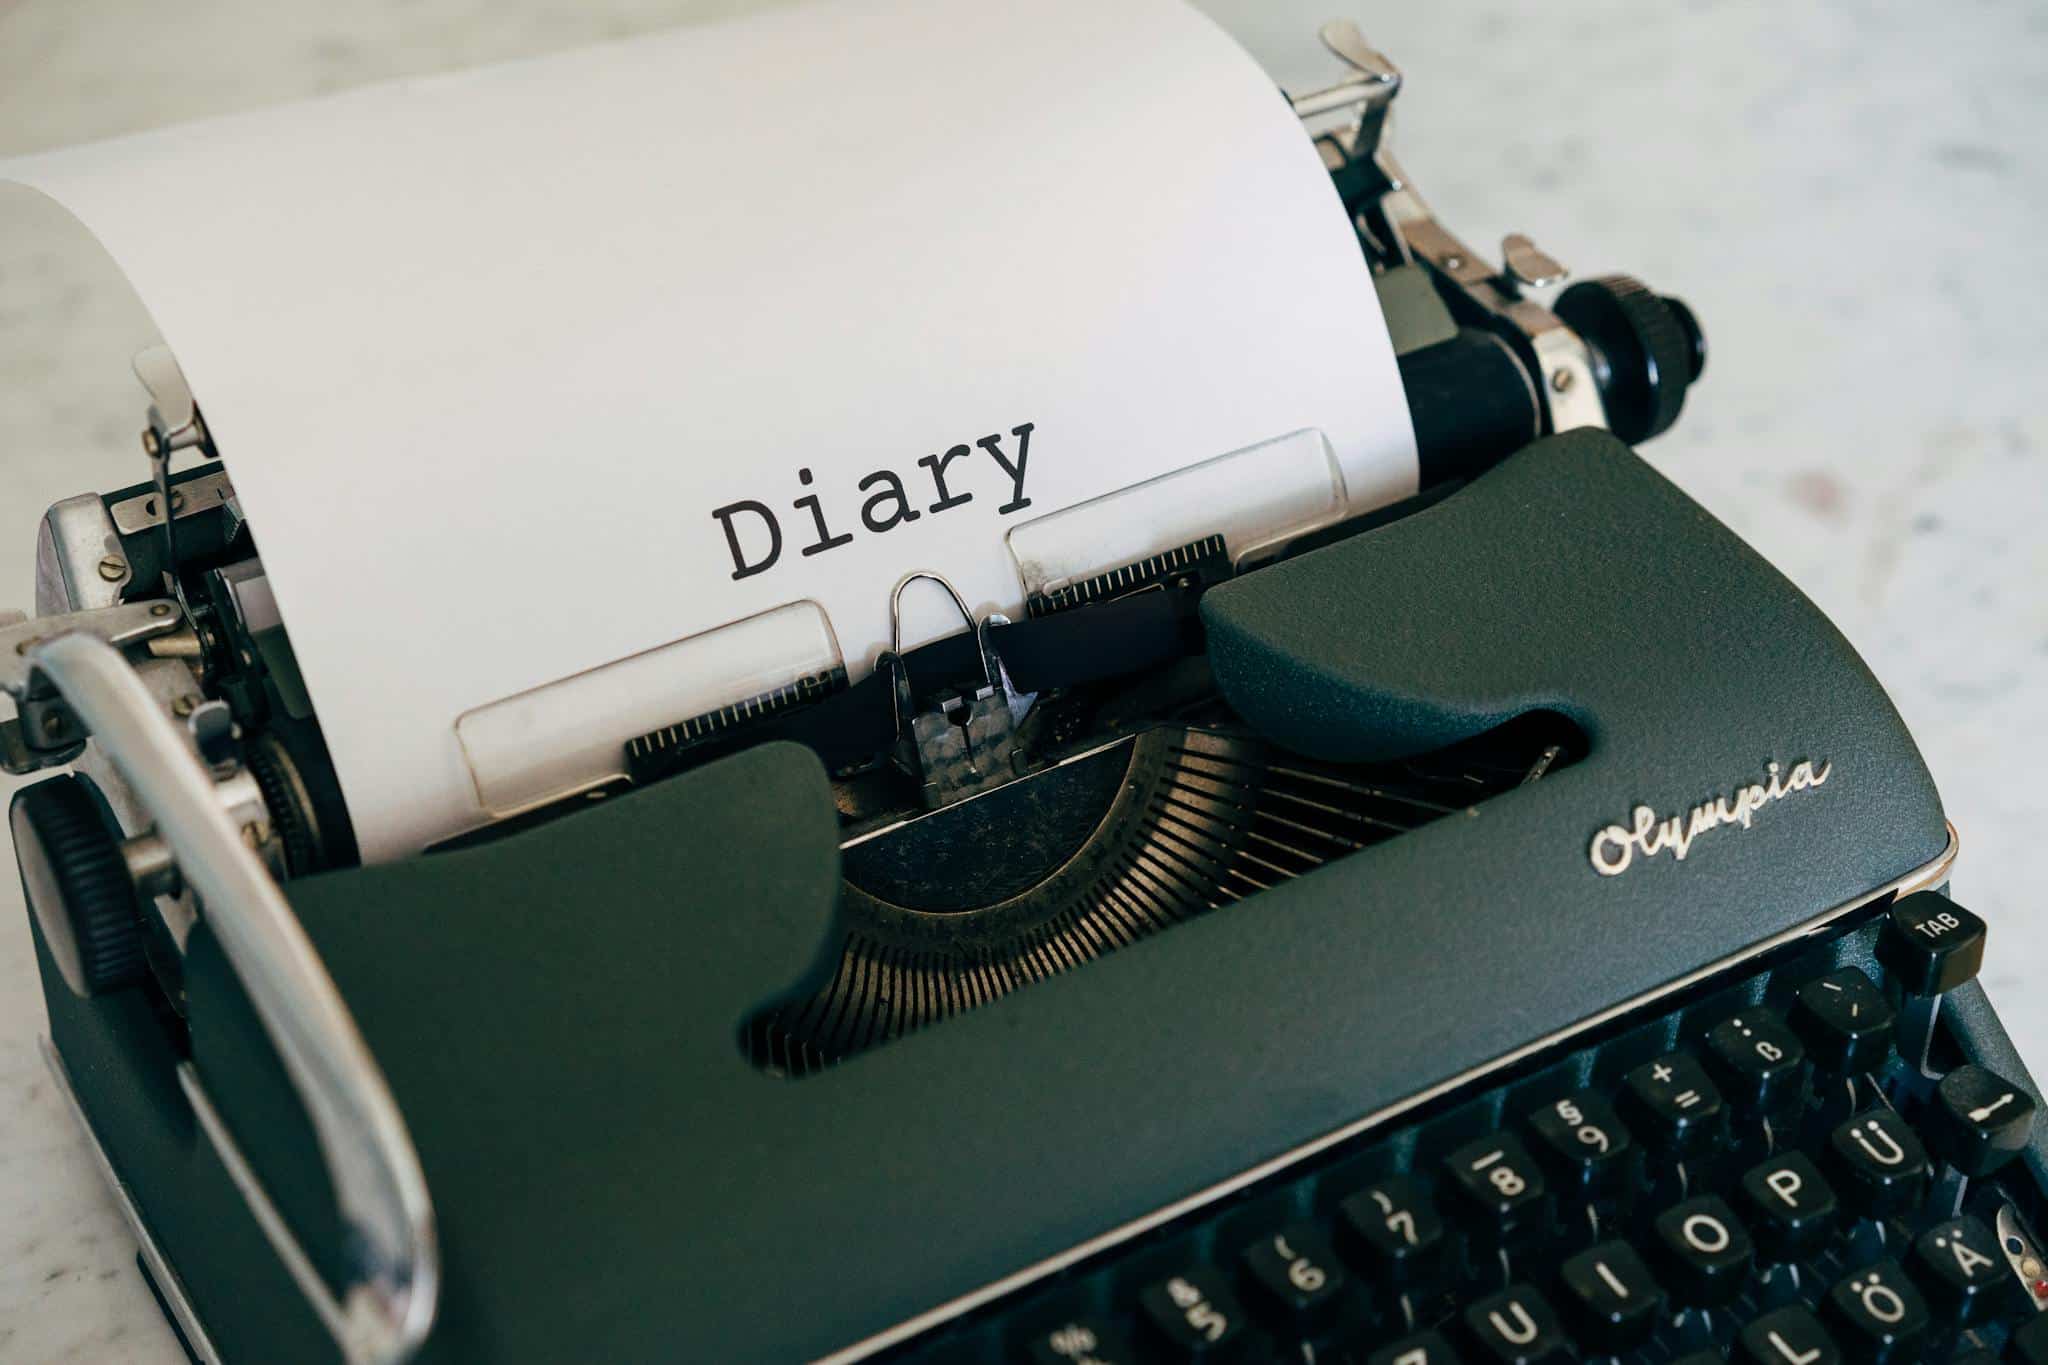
{"type": "Point", "coordinates": [1454, 262]}
{"type": "Point", "coordinates": [160, 609]}
{"type": "Point", "coordinates": [185, 705]}
{"type": "Point", "coordinates": [1560, 379]}
{"type": "Point", "coordinates": [113, 568]}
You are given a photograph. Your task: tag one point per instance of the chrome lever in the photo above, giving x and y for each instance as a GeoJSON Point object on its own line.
{"type": "Point", "coordinates": [175, 424]}
{"type": "Point", "coordinates": [44, 733]}
{"type": "Point", "coordinates": [1375, 82]}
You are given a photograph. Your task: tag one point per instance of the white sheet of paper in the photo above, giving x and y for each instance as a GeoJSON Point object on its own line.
{"type": "Point", "coordinates": [484, 352]}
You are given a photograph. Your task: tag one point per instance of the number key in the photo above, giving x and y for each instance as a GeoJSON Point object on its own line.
{"type": "Point", "coordinates": [1497, 1181]}
{"type": "Point", "coordinates": [1296, 1273]}
{"type": "Point", "coordinates": [1392, 1230]}
{"type": "Point", "coordinates": [1194, 1314]}
{"type": "Point", "coordinates": [1758, 1060]}
{"type": "Point", "coordinates": [1077, 1341]}
{"type": "Point", "coordinates": [1584, 1142]}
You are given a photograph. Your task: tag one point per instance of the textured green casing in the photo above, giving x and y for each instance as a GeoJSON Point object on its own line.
{"type": "Point", "coordinates": [557, 1012]}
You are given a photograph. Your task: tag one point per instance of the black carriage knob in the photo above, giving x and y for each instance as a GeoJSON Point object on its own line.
{"type": "Point", "coordinates": [1646, 349]}
{"type": "Point", "coordinates": [77, 883]}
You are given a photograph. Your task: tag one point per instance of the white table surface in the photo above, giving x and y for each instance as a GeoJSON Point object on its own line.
{"type": "Point", "coordinates": [1851, 197]}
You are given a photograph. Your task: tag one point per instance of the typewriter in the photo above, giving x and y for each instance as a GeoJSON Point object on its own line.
{"type": "Point", "coordinates": [1508, 926]}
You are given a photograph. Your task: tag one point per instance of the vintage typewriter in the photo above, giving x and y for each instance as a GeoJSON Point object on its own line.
{"type": "Point", "coordinates": [1508, 927]}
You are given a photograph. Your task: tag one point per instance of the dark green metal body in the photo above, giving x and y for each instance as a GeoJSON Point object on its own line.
{"type": "Point", "coordinates": [557, 1012]}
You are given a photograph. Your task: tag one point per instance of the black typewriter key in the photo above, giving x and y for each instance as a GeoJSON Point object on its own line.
{"type": "Point", "coordinates": [1879, 1163]}
{"type": "Point", "coordinates": [1979, 1120]}
{"type": "Point", "coordinates": [1791, 1335]}
{"type": "Point", "coordinates": [1962, 1269]}
{"type": "Point", "coordinates": [1516, 1327]}
{"type": "Point", "coordinates": [1930, 944]}
{"type": "Point", "coordinates": [1705, 1251]}
{"type": "Point", "coordinates": [1498, 1184]}
{"type": "Point", "coordinates": [1194, 1314]}
{"type": "Point", "coordinates": [1878, 1314]}
{"type": "Point", "coordinates": [1757, 1060]}
{"type": "Point", "coordinates": [1671, 1103]}
{"type": "Point", "coordinates": [1076, 1341]}
{"type": "Point", "coordinates": [2029, 1345]}
{"type": "Point", "coordinates": [1609, 1296]}
{"type": "Point", "coordinates": [1392, 1231]}
{"type": "Point", "coordinates": [1296, 1274]}
{"type": "Point", "coordinates": [1789, 1206]}
{"type": "Point", "coordinates": [1583, 1142]}
{"type": "Point", "coordinates": [1845, 1021]}
{"type": "Point", "coordinates": [1424, 1348]}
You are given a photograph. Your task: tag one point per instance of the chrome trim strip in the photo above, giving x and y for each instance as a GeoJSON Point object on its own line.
{"type": "Point", "coordinates": [168, 1284]}
{"type": "Point", "coordinates": [2022, 1255]}
{"type": "Point", "coordinates": [1930, 874]}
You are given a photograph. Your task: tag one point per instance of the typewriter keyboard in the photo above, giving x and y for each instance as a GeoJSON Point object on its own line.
{"type": "Point", "coordinates": [1792, 1166]}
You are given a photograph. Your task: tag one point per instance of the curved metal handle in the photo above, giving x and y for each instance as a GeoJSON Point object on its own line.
{"type": "Point", "coordinates": [383, 1314]}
